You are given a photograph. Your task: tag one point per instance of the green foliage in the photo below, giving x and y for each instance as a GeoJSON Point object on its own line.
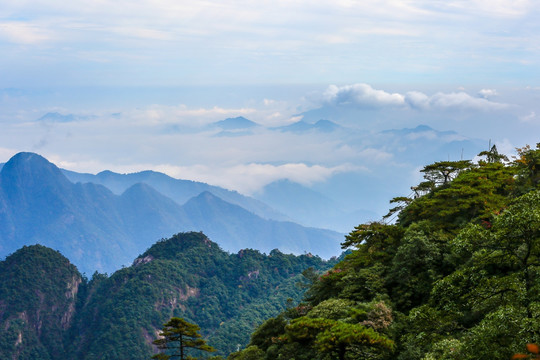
{"type": "Point", "coordinates": [457, 277]}
{"type": "Point", "coordinates": [187, 276]}
{"type": "Point", "coordinates": [476, 194]}
{"type": "Point", "coordinates": [493, 156]}
{"type": "Point", "coordinates": [177, 337]}
{"type": "Point", "coordinates": [38, 290]}
{"type": "Point", "coordinates": [442, 172]}
{"type": "Point", "coordinates": [267, 333]}
{"type": "Point", "coordinates": [250, 353]}
{"type": "Point", "coordinates": [528, 169]}
{"type": "Point", "coordinates": [350, 341]}
{"type": "Point", "coordinates": [418, 262]}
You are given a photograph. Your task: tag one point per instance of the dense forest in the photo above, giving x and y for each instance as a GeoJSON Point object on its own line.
{"type": "Point", "coordinates": [455, 276]}
{"type": "Point", "coordinates": [49, 311]}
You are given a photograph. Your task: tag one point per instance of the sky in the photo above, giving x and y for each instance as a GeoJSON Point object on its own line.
{"type": "Point", "coordinates": [134, 85]}
{"type": "Point", "coordinates": [171, 43]}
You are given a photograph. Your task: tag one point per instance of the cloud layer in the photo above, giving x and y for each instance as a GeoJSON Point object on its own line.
{"type": "Point", "coordinates": [235, 41]}
{"type": "Point", "coordinates": [181, 141]}
{"type": "Point", "coordinates": [365, 96]}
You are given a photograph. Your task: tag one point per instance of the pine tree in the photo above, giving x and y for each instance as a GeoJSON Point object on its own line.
{"type": "Point", "coordinates": [176, 336]}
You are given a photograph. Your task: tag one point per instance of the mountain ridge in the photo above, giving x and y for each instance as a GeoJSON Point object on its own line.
{"type": "Point", "coordinates": [49, 311]}
{"type": "Point", "coordinates": [322, 125]}
{"type": "Point", "coordinates": [179, 190]}
{"type": "Point", "coordinates": [99, 230]}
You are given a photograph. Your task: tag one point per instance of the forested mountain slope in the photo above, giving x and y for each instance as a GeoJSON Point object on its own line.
{"type": "Point", "coordinates": [456, 277]}
{"type": "Point", "coordinates": [48, 311]}
{"type": "Point", "coordinates": [39, 290]}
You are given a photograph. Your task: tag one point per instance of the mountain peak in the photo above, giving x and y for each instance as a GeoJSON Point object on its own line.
{"type": "Point", "coordinates": [57, 117]}
{"type": "Point", "coordinates": [422, 128]}
{"type": "Point", "coordinates": [207, 195]}
{"type": "Point", "coordinates": [30, 169]}
{"type": "Point", "coordinates": [106, 173]}
{"type": "Point", "coordinates": [326, 125]}
{"type": "Point", "coordinates": [177, 246]}
{"type": "Point", "coordinates": [27, 156]}
{"type": "Point", "coordinates": [236, 123]}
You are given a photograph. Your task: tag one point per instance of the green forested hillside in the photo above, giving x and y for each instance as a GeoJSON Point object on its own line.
{"type": "Point", "coordinates": [39, 289]}
{"type": "Point", "coordinates": [48, 311]}
{"type": "Point", "coordinates": [457, 276]}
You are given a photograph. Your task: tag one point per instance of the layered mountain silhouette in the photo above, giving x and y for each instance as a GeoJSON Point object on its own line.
{"type": "Point", "coordinates": [100, 230]}
{"type": "Point", "coordinates": [301, 126]}
{"type": "Point", "coordinates": [177, 189]}
{"type": "Point", "coordinates": [422, 142]}
{"type": "Point", "coordinates": [309, 207]}
{"type": "Point", "coordinates": [57, 117]}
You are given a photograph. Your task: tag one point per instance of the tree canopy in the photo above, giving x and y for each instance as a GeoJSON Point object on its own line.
{"type": "Point", "coordinates": [177, 337]}
{"type": "Point", "coordinates": [457, 276]}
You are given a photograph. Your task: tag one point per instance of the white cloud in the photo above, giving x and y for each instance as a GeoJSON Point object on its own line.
{"type": "Point", "coordinates": [487, 93]}
{"type": "Point", "coordinates": [244, 178]}
{"type": "Point", "coordinates": [365, 96]}
{"type": "Point", "coordinates": [297, 41]}
{"type": "Point", "coordinates": [24, 33]}
{"type": "Point", "coordinates": [183, 115]}
{"type": "Point", "coordinates": [146, 137]}
{"type": "Point", "coordinates": [374, 155]}
{"type": "Point", "coordinates": [530, 117]}
{"type": "Point", "coordinates": [6, 154]}
{"type": "Point", "coordinates": [463, 101]}
{"type": "Point", "coordinates": [417, 100]}
{"type": "Point", "coordinates": [273, 113]}
{"type": "Point", "coordinates": [451, 101]}
{"type": "Point", "coordinates": [248, 178]}
{"type": "Point", "coordinates": [361, 95]}
{"type": "Point", "coordinates": [496, 8]}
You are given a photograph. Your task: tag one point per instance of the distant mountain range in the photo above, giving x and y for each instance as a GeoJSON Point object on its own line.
{"type": "Point", "coordinates": [178, 190]}
{"type": "Point", "coordinates": [383, 164]}
{"type": "Point", "coordinates": [423, 141]}
{"type": "Point", "coordinates": [310, 207]}
{"type": "Point", "coordinates": [57, 117]}
{"type": "Point", "coordinates": [100, 230]}
{"type": "Point", "coordinates": [325, 126]}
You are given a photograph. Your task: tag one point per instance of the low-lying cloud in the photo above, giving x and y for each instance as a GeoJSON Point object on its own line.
{"type": "Point", "coordinates": [244, 178]}
{"type": "Point", "coordinates": [249, 178]}
{"type": "Point", "coordinates": [177, 140]}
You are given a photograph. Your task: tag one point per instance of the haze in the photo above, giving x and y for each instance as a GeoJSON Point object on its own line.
{"type": "Point", "coordinates": [131, 86]}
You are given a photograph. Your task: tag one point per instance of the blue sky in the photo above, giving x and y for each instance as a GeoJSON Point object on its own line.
{"type": "Point", "coordinates": [167, 42]}
{"type": "Point", "coordinates": [138, 82]}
